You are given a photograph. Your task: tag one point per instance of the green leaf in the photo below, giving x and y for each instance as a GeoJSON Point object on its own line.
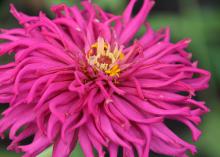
{"type": "Point", "coordinates": [76, 153]}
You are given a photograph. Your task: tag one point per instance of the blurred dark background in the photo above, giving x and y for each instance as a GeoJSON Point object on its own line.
{"type": "Point", "coordinates": [197, 19]}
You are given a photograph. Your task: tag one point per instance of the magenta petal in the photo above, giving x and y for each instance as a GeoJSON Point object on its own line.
{"type": "Point", "coordinates": [62, 148]}
{"type": "Point", "coordinates": [134, 24]}
{"type": "Point", "coordinates": [38, 146]}
{"type": "Point", "coordinates": [108, 130]}
{"type": "Point", "coordinates": [85, 143]}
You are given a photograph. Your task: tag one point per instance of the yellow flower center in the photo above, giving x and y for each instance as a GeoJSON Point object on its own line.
{"type": "Point", "coordinates": [103, 58]}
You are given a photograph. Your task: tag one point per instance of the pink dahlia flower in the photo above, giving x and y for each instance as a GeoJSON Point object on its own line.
{"type": "Point", "coordinates": [82, 77]}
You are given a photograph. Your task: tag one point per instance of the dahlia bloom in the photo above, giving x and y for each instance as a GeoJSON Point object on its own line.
{"type": "Point", "coordinates": [84, 77]}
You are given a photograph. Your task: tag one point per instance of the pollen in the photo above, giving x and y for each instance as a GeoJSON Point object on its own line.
{"type": "Point", "coordinates": [103, 57]}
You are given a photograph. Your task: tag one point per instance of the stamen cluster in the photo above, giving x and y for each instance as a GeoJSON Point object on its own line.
{"type": "Point", "coordinates": [103, 58]}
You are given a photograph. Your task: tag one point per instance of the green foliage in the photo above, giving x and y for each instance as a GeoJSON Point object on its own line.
{"type": "Point", "coordinates": [68, 2]}
{"type": "Point", "coordinates": [5, 153]}
{"type": "Point", "coordinates": [110, 5]}
{"type": "Point", "coordinates": [115, 6]}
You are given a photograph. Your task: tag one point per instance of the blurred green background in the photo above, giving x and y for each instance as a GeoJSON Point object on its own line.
{"type": "Point", "coordinates": [197, 19]}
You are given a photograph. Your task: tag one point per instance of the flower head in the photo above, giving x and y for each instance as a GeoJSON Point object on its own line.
{"type": "Point", "coordinates": [82, 77]}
